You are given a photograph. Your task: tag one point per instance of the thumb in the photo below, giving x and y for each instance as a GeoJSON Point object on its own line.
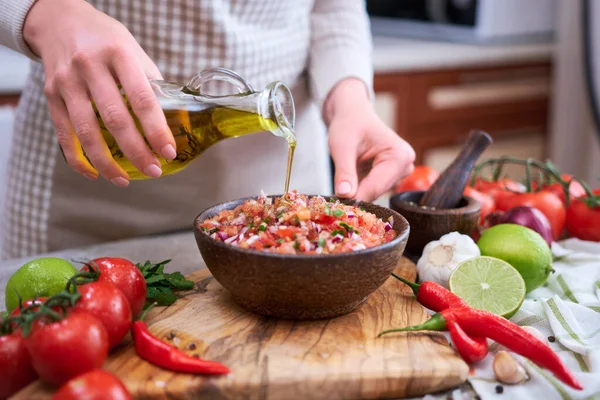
{"type": "Point", "coordinates": [343, 152]}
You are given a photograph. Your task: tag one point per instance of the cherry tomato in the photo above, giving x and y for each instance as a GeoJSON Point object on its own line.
{"type": "Point", "coordinates": [107, 303]}
{"type": "Point", "coordinates": [575, 188]}
{"type": "Point", "coordinates": [421, 178]}
{"type": "Point", "coordinates": [27, 303]}
{"type": "Point", "coordinates": [126, 277]}
{"type": "Point", "coordinates": [583, 222]}
{"type": "Point", "coordinates": [499, 190]}
{"type": "Point", "coordinates": [96, 384]}
{"type": "Point", "coordinates": [64, 349]}
{"type": "Point", "coordinates": [488, 205]}
{"type": "Point", "coordinates": [548, 203]}
{"type": "Point", "coordinates": [16, 370]}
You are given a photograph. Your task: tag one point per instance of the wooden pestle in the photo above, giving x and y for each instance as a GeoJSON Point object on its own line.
{"type": "Point", "coordinates": [447, 190]}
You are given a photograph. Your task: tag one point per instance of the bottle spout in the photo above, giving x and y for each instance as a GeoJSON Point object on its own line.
{"type": "Point", "coordinates": [277, 109]}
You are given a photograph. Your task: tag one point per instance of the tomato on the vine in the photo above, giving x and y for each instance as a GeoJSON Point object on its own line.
{"type": "Point", "coordinates": [583, 221]}
{"type": "Point", "coordinates": [64, 349]}
{"type": "Point", "coordinates": [107, 303]}
{"type": "Point", "coordinates": [96, 384]}
{"type": "Point", "coordinates": [487, 203]}
{"type": "Point", "coordinates": [126, 277]}
{"type": "Point", "coordinates": [421, 178]}
{"type": "Point", "coordinates": [27, 303]}
{"type": "Point", "coordinates": [16, 370]}
{"type": "Point", "coordinates": [499, 190]}
{"type": "Point", "coordinates": [575, 188]}
{"type": "Point", "coordinates": [548, 203]}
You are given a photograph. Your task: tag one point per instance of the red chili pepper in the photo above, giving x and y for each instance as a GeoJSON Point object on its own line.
{"type": "Point", "coordinates": [513, 337]}
{"type": "Point", "coordinates": [159, 353]}
{"type": "Point", "coordinates": [470, 349]}
{"type": "Point", "coordinates": [479, 323]}
{"type": "Point", "coordinates": [433, 295]}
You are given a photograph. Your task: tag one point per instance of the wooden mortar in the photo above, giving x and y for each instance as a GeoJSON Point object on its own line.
{"type": "Point", "coordinates": [443, 208]}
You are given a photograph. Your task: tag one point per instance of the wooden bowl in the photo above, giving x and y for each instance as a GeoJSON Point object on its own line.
{"type": "Point", "coordinates": [430, 224]}
{"type": "Point", "coordinates": [301, 287]}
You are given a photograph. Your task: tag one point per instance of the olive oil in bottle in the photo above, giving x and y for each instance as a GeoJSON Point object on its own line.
{"type": "Point", "coordinates": [199, 122]}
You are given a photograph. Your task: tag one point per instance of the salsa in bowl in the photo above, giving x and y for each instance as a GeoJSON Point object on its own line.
{"type": "Point", "coordinates": [299, 224]}
{"type": "Point", "coordinates": [309, 262]}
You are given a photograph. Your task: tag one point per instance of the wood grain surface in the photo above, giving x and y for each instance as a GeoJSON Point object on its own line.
{"type": "Point", "coordinates": [340, 358]}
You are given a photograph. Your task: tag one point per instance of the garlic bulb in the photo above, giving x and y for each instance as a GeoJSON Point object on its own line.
{"type": "Point", "coordinates": [442, 256]}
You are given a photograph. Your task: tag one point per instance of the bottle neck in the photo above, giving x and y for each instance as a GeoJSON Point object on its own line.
{"type": "Point", "coordinates": [275, 105]}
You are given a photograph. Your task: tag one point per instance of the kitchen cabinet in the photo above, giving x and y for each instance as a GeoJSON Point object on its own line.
{"type": "Point", "coordinates": [503, 90]}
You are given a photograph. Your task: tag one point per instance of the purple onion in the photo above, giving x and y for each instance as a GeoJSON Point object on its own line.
{"type": "Point", "coordinates": [222, 235]}
{"type": "Point", "coordinates": [529, 217]}
{"type": "Point", "coordinates": [387, 226]}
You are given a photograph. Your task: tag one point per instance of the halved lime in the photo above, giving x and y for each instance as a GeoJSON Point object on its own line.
{"type": "Point", "coordinates": [489, 284]}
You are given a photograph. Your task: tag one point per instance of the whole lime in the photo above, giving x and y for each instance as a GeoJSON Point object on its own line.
{"type": "Point", "coordinates": [42, 277]}
{"type": "Point", "coordinates": [523, 248]}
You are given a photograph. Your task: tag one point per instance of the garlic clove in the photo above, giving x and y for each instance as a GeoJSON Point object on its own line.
{"type": "Point", "coordinates": [508, 370]}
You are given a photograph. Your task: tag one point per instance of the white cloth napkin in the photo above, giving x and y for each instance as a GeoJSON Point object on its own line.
{"type": "Point", "coordinates": [567, 308]}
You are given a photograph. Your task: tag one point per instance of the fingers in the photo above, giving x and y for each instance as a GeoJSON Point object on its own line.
{"type": "Point", "coordinates": [67, 140]}
{"type": "Point", "coordinates": [145, 104]}
{"type": "Point", "coordinates": [389, 166]}
{"type": "Point", "coordinates": [344, 153]}
{"type": "Point", "coordinates": [118, 121]}
{"type": "Point", "coordinates": [84, 122]}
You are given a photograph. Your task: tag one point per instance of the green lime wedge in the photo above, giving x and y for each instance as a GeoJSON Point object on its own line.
{"type": "Point", "coordinates": [490, 284]}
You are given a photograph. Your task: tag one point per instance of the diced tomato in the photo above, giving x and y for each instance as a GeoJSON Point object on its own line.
{"type": "Point", "coordinates": [267, 238]}
{"type": "Point", "coordinates": [325, 219]}
{"type": "Point", "coordinates": [286, 232]}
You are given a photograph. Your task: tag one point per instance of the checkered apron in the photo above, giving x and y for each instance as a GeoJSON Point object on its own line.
{"type": "Point", "coordinates": [49, 207]}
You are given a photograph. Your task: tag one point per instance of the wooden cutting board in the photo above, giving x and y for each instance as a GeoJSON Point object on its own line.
{"type": "Point", "coordinates": [340, 358]}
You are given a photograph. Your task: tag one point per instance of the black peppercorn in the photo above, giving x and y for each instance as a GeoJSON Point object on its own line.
{"type": "Point", "coordinates": [499, 389]}
{"type": "Point", "coordinates": [551, 339]}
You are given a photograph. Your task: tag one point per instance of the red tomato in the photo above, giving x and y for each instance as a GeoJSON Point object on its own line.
{"type": "Point", "coordinates": [96, 384]}
{"type": "Point", "coordinates": [500, 190]}
{"type": "Point", "coordinates": [286, 232]}
{"type": "Point", "coordinates": [126, 277]}
{"type": "Point", "coordinates": [575, 188]}
{"type": "Point", "coordinates": [27, 303]}
{"type": "Point", "coordinates": [488, 205]}
{"type": "Point", "coordinates": [70, 347]}
{"type": "Point", "coordinates": [107, 303]}
{"type": "Point", "coordinates": [16, 370]}
{"type": "Point", "coordinates": [325, 219]}
{"type": "Point", "coordinates": [548, 203]}
{"type": "Point", "coordinates": [583, 222]}
{"type": "Point", "coordinates": [421, 178]}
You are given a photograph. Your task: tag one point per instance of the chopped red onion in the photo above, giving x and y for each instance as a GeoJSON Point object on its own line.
{"type": "Point", "coordinates": [222, 235]}
{"type": "Point", "coordinates": [231, 239]}
{"type": "Point", "coordinates": [252, 239]}
{"type": "Point", "coordinates": [387, 226]}
{"type": "Point", "coordinates": [350, 214]}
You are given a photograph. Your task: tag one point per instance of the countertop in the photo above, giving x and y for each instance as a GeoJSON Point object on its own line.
{"type": "Point", "coordinates": [181, 248]}
{"type": "Point", "coordinates": [389, 55]}
{"type": "Point", "coordinates": [409, 55]}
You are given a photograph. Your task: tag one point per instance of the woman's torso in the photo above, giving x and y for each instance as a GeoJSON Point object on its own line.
{"type": "Point", "coordinates": [50, 207]}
